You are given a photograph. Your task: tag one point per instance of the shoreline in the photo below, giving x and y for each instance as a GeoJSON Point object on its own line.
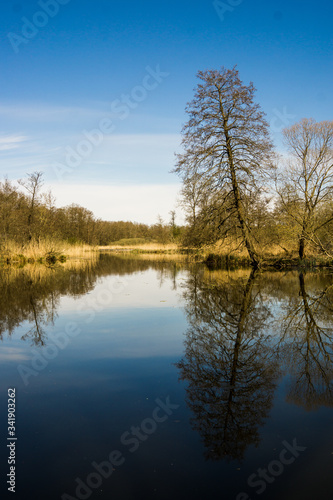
{"type": "Point", "coordinates": [218, 261]}
{"type": "Point", "coordinates": [58, 252]}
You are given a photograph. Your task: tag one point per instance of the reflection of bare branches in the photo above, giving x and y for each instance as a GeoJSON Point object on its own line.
{"type": "Point", "coordinates": [168, 272]}
{"type": "Point", "coordinates": [32, 293]}
{"type": "Point", "coordinates": [307, 341]}
{"type": "Point", "coordinates": [228, 364]}
{"type": "Point", "coordinates": [41, 316]}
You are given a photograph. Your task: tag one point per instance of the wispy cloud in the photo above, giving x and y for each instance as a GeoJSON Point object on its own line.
{"type": "Point", "coordinates": [8, 142]}
{"type": "Point", "coordinates": [141, 158]}
{"type": "Point", "coordinates": [48, 113]}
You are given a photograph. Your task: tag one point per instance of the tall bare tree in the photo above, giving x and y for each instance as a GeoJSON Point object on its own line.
{"type": "Point", "coordinates": [33, 185]}
{"type": "Point", "coordinates": [306, 183]}
{"type": "Point", "coordinates": [227, 145]}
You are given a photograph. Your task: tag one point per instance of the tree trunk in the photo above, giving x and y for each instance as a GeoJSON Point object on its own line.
{"type": "Point", "coordinates": [302, 239]}
{"type": "Point", "coordinates": [255, 259]}
{"type": "Point", "coordinates": [301, 248]}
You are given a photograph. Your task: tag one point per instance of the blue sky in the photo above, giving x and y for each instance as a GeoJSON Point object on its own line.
{"type": "Point", "coordinates": [94, 94]}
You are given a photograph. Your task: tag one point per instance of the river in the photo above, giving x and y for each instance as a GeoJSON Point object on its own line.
{"type": "Point", "coordinates": [140, 379]}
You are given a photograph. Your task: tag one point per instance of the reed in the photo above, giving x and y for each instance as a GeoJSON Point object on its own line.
{"type": "Point", "coordinates": [48, 251]}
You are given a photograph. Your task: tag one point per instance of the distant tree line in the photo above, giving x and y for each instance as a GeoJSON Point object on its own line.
{"type": "Point", "coordinates": [27, 213]}
{"type": "Point", "coordinates": [235, 186]}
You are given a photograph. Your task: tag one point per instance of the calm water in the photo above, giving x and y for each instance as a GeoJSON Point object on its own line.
{"type": "Point", "coordinates": [147, 380]}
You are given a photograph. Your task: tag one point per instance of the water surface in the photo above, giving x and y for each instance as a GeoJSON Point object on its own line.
{"type": "Point", "coordinates": [193, 383]}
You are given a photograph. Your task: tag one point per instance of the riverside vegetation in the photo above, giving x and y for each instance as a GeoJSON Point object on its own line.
{"type": "Point", "coordinates": [244, 204]}
{"type": "Point", "coordinates": [238, 190]}
{"type": "Point", "coordinates": [32, 229]}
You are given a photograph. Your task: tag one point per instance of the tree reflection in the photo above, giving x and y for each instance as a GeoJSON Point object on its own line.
{"type": "Point", "coordinates": [229, 363]}
{"type": "Point", "coordinates": [31, 294]}
{"type": "Point", "coordinates": [307, 344]}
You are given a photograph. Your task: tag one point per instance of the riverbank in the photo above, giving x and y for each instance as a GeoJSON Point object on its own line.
{"type": "Point", "coordinates": [43, 252]}
{"type": "Point", "coordinates": [217, 256]}
{"type": "Point", "coordinates": [214, 256]}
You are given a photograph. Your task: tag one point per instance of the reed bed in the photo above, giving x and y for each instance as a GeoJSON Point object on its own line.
{"type": "Point", "coordinates": [143, 248]}
{"type": "Point", "coordinates": [45, 251]}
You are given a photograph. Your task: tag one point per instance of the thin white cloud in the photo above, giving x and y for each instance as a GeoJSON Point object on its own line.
{"type": "Point", "coordinates": [48, 113]}
{"type": "Point", "coordinates": [146, 153]}
{"type": "Point", "coordinates": [8, 142]}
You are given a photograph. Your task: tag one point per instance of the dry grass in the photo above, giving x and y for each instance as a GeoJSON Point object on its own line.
{"type": "Point", "coordinates": [36, 251]}
{"type": "Point", "coordinates": [145, 247]}
{"type": "Point", "coordinates": [79, 251]}
{"type": "Point", "coordinates": [229, 248]}
{"type": "Point", "coordinates": [226, 249]}
{"type": "Point", "coordinates": [223, 249]}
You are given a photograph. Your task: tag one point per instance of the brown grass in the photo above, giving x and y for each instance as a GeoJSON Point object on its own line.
{"type": "Point", "coordinates": [225, 248]}
{"type": "Point", "coordinates": [230, 248]}
{"type": "Point", "coordinates": [35, 251]}
{"type": "Point", "coordinates": [145, 247]}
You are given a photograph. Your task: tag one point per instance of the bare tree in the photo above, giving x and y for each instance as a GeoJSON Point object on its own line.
{"type": "Point", "coordinates": [306, 184]}
{"type": "Point", "coordinates": [226, 144]}
{"type": "Point", "coordinates": [33, 185]}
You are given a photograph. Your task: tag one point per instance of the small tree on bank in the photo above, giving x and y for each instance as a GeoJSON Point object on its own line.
{"type": "Point", "coordinates": [226, 144]}
{"type": "Point", "coordinates": [305, 186]}
{"type": "Point", "coordinates": [33, 185]}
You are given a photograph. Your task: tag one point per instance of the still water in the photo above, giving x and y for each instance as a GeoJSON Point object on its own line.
{"type": "Point", "coordinates": [138, 379]}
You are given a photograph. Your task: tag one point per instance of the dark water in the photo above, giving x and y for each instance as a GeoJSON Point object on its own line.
{"type": "Point", "coordinates": [147, 380]}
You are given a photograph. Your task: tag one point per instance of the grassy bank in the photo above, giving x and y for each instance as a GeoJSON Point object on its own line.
{"type": "Point", "coordinates": [219, 255]}
{"type": "Point", "coordinates": [148, 248]}
{"type": "Point", "coordinates": [45, 251]}
{"type": "Point", "coordinates": [224, 254]}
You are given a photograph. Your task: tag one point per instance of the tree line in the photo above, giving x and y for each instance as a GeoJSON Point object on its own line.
{"type": "Point", "coordinates": [27, 213]}
{"type": "Point", "coordinates": [236, 186]}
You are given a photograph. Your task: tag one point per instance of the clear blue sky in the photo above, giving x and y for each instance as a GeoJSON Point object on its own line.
{"type": "Point", "coordinates": [63, 79]}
